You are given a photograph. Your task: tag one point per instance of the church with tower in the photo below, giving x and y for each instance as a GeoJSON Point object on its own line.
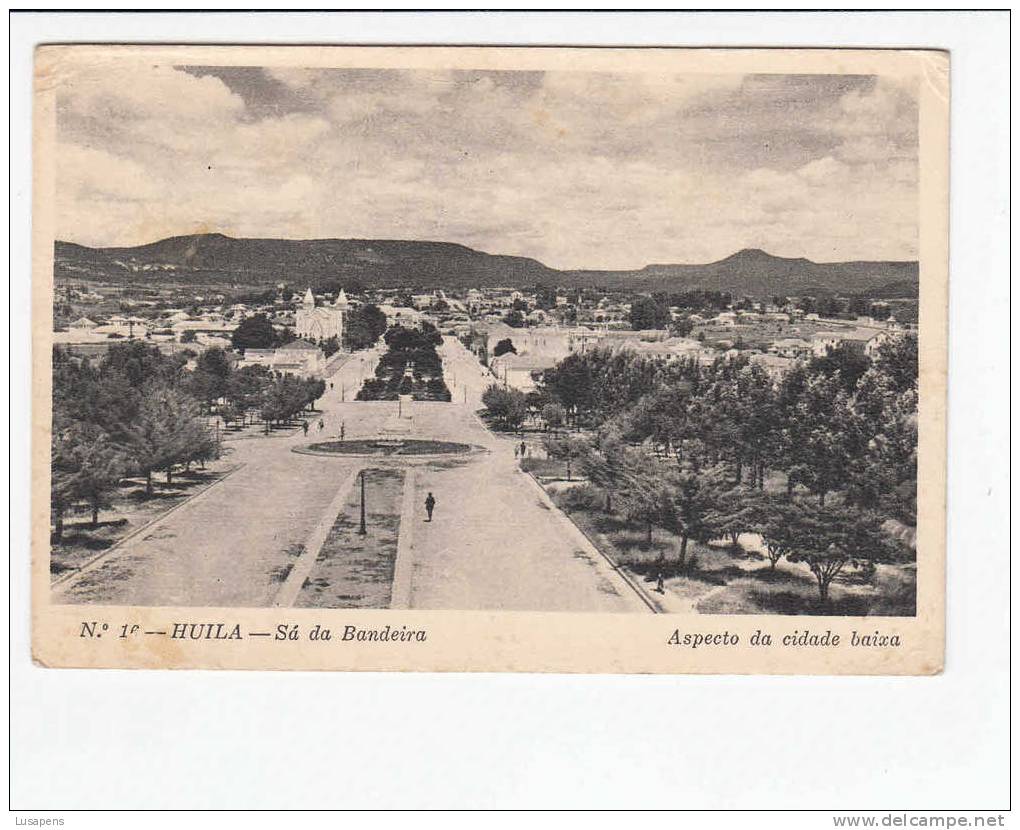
{"type": "Point", "coordinates": [320, 323]}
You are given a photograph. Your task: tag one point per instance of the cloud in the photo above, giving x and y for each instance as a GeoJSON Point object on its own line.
{"type": "Point", "coordinates": [90, 173]}
{"type": "Point", "coordinates": [824, 171]}
{"type": "Point", "coordinates": [156, 92]}
{"type": "Point", "coordinates": [579, 169]}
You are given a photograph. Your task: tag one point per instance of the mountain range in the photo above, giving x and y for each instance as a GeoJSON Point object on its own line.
{"type": "Point", "coordinates": [218, 259]}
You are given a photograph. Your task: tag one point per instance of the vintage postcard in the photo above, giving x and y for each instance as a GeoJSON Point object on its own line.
{"type": "Point", "coordinates": [490, 359]}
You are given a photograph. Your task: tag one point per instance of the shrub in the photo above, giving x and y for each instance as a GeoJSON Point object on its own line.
{"type": "Point", "coordinates": [582, 498]}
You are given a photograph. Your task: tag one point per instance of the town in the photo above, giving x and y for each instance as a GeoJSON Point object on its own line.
{"type": "Point", "coordinates": [518, 334]}
{"type": "Point", "coordinates": [679, 445]}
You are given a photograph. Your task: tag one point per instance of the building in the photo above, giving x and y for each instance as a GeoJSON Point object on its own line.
{"type": "Point", "coordinates": [323, 322]}
{"type": "Point", "coordinates": [83, 324]}
{"type": "Point", "coordinates": [401, 315]}
{"type": "Point", "coordinates": [299, 357]}
{"type": "Point", "coordinates": [775, 365]}
{"type": "Point", "coordinates": [791, 347]}
{"type": "Point", "coordinates": [520, 371]}
{"type": "Point", "coordinates": [857, 340]}
{"type": "Point", "coordinates": [669, 350]}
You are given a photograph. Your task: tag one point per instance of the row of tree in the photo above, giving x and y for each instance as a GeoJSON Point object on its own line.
{"type": "Point", "coordinates": [703, 503]}
{"type": "Point", "coordinates": [815, 460]}
{"type": "Point", "coordinates": [136, 411]}
{"type": "Point", "coordinates": [410, 366]}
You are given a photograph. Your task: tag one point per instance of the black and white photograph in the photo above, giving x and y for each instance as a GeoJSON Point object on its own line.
{"type": "Point", "coordinates": [493, 410]}
{"type": "Point", "coordinates": [619, 334]}
{"type": "Point", "coordinates": [503, 340]}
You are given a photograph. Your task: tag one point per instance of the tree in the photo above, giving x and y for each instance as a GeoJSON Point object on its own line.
{"type": "Point", "coordinates": [504, 346]}
{"type": "Point", "coordinates": [141, 363]}
{"type": "Point", "coordinates": [844, 362]}
{"type": "Point", "coordinates": [514, 319]}
{"type": "Point", "coordinates": [692, 494]}
{"type": "Point", "coordinates": [777, 520]}
{"type": "Point", "coordinates": [897, 359]}
{"type": "Point", "coordinates": [209, 380]}
{"type": "Point", "coordinates": [255, 332]}
{"type": "Point", "coordinates": [681, 327]}
{"type": "Point", "coordinates": [643, 491]}
{"type": "Point", "coordinates": [167, 431]}
{"type": "Point", "coordinates": [86, 466]}
{"type": "Point", "coordinates": [246, 387]}
{"type": "Point", "coordinates": [101, 466]}
{"type": "Point", "coordinates": [568, 450]}
{"type": "Point", "coordinates": [731, 513]}
{"type": "Point", "coordinates": [330, 346]}
{"type": "Point", "coordinates": [364, 326]}
{"type": "Point", "coordinates": [507, 406]}
{"type": "Point", "coordinates": [649, 313]}
{"type": "Point", "coordinates": [570, 382]}
{"type": "Point", "coordinates": [545, 297]}
{"type": "Point", "coordinates": [830, 538]}
{"type": "Point", "coordinates": [554, 416]}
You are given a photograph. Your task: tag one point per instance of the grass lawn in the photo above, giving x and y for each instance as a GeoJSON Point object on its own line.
{"type": "Point", "coordinates": [549, 469]}
{"type": "Point", "coordinates": [384, 447]}
{"type": "Point", "coordinates": [355, 571]}
{"type": "Point", "coordinates": [719, 579]}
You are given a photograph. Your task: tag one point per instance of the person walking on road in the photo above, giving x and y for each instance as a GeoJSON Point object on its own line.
{"type": "Point", "coordinates": [517, 451]}
{"type": "Point", "coordinates": [304, 427]}
{"type": "Point", "coordinates": [524, 449]}
{"type": "Point", "coordinates": [321, 425]}
{"type": "Point", "coordinates": [343, 430]}
{"type": "Point", "coordinates": [430, 505]}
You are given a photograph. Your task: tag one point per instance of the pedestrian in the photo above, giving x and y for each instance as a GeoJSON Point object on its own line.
{"type": "Point", "coordinates": [343, 430]}
{"type": "Point", "coordinates": [524, 449]}
{"type": "Point", "coordinates": [659, 581]}
{"type": "Point", "coordinates": [430, 505]}
{"type": "Point", "coordinates": [304, 426]}
{"type": "Point", "coordinates": [517, 451]}
{"type": "Point", "coordinates": [321, 425]}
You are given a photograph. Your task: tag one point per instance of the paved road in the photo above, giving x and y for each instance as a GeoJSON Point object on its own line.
{"type": "Point", "coordinates": [227, 546]}
{"type": "Point", "coordinates": [495, 543]}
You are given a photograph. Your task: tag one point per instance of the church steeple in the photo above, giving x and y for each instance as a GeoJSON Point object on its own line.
{"type": "Point", "coordinates": [309, 300]}
{"type": "Point", "coordinates": [341, 301]}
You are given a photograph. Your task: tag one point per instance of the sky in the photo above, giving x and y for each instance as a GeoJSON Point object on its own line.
{"type": "Point", "coordinates": [576, 169]}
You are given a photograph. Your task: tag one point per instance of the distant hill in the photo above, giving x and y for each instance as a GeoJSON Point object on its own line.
{"type": "Point", "coordinates": [215, 258]}
{"type": "Point", "coordinates": [755, 273]}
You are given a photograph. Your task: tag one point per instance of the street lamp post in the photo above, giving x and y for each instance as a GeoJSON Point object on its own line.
{"type": "Point", "coordinates": [361, 528]}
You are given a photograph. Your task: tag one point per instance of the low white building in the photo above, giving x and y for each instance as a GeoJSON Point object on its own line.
{"type": "Point", "coordinates": [299, 357]}
{"type": "Point", "coordinates": [791, 347]}
{"type": "Point", "coordinates": [520, 371]}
